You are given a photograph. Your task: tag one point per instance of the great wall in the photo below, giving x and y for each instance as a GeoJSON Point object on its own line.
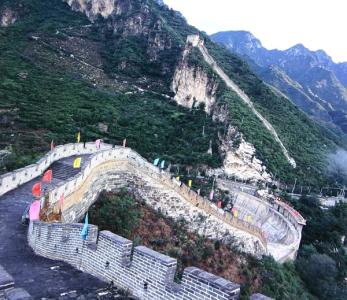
{"type": "Point", "coordinates": [275, 228]}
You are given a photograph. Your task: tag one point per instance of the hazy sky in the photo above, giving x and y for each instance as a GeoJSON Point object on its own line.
{"type": "Point", "coordinates": [318, 24]}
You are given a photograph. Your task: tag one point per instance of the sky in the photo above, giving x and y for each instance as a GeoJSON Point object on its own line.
{"type": "Point", "coordinates": [280, 24]}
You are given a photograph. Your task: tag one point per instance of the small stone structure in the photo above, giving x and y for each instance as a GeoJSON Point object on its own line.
{"type": "Point", "coordinates": [7, 289]}
{"type": "Point", "coordinates": [145, 273]}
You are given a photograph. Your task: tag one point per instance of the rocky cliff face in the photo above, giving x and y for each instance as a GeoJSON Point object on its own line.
{"type": "Point", "coordinates": [192, 85]}
{"type": "Point", "coordinates": [7, 17]}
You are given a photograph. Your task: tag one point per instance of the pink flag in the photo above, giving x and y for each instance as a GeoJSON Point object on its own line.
{"type": "Point", "coordinates": [98, 143]}
{"type": "Point", "coordinates": [219, 204]}
{"type": "Point", "coordinates": [211, 195]}
{"type": "Point", "coordinates": [34, 211]}
{"type": "Point", "coordinates": [61, 201]}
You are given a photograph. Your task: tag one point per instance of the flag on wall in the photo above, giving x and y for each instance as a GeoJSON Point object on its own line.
{"type": "Point", "coordinates": [190, 183]}
{"type": "Point", "coordinates": [61, 201]}
{"type": "Point", "coordinates": [249, 218]}
{"type": "Point", "coordinates": [84, 232]}
{"type": "Point", "coordinates": [156, 161]}
{"type": "Point", "coordinates": [52, 145]}
{"type": "Point", "coordinates": [211, 195]}
{"type": "Point", "coordinates": [162, 164]}
{"type": "Point", "coordinates": [78, 137]}
{"type": "Point", "coordinates": [77, 163]}
{"type": "Point", "coordinates": [47, 176]}
{"type": "Point", "coordinates": [34, 211]}
{"type": "Point", "coordinates": [124, 143]}
{"type": "Point", "coordinates": [36, 190]}
{"type": "Point", "coordinates": [98, 144]}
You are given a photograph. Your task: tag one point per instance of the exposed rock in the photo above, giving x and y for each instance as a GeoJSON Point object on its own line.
{"type": "Point", "coordinates": [192, 85]}
{"type": "Point", "coordinates": [7, 17]}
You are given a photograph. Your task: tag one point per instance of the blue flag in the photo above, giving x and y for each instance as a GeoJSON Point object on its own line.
{"type": "Point", "coordinates": [162, 165]}
{"type": "Point", "coordinates": [156, 161]}
{"type": "Point", "coordinates": [84, 232]}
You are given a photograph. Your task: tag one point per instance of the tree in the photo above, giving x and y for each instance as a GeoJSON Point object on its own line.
{"type": "Point", "coordinates": [117, 213]}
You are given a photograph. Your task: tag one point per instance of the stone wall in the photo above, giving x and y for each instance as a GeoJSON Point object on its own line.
{"type": "Point", "coordinates": [105, 171]}
{"type": "Point", "coordinates": [146, 273]}
{"type": "Point", "coordinates": [12, 180]}
{"type": "Point", "coordinates": [76, 189]}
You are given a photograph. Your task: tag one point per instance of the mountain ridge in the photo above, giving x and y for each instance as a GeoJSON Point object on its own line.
{"type": "Point", "coordinates": [322, 91]}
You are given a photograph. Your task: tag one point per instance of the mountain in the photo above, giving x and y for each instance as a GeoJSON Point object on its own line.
{"type": "Point", "coordinates": [309, 78]}
{"type": "Point", "coordinates": [124, 69]}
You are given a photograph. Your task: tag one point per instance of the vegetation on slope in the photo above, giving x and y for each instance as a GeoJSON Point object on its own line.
{"type": "Point", "coordinates": [147, 227]}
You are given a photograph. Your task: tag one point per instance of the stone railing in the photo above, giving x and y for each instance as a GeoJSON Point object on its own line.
{"type": "Point", "coordinates": [135, 160]}
{"type": "Point", "coordinates": [145, 273]}
{"type": "Point", "coordinates": [18, 177]}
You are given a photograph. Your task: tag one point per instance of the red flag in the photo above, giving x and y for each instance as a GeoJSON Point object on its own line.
{"type": "Point", "coordinates": [52, 145]}
{"type": "Point", "coordinates": [219, 204]}
{"type": "Point", "coordinates": [48, 176]}
{"type": "Point", "coordinates": [36, 190]}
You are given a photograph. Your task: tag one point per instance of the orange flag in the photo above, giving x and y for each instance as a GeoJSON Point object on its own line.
{"type": "Point", "coordinates": [48, 176]}
{"type": "Point", "coordinates": [36, 190]}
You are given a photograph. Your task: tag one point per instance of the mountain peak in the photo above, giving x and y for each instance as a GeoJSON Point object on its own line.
{"type": "Point", "coordinates": [237, 39]}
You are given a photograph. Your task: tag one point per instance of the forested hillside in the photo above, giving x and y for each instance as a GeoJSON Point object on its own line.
{"type": "Point", "coordinates": [111, 79]}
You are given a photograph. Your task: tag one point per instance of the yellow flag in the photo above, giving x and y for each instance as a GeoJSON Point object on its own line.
{"type": "Point", "coordinates": [178, 178]}
{"type": "Point", "coordinates": [77, 163]}
{"type": "Point", "coordinates": [78, 137]}
{"type": "Point", "coordinates": [190, 183]}
{"type": "Point", "coordinates": [236, 213]}
{"type": "Point", "coordinates": [249, 218]}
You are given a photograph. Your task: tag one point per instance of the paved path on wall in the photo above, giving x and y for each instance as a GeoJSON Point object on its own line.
{"type": "Point", "coordinates": [32, 272]}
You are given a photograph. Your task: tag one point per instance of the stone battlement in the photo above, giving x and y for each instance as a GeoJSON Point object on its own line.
{"type": "Point", "coordinates": [99, 173]}
{"type": "Point", "coordinates": [146, 273]}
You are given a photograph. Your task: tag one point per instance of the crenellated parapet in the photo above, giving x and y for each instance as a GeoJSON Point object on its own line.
{"type": "Point", "coordinates": [147, 274]}
{"type": "Point", "coordinates": [111, 168]}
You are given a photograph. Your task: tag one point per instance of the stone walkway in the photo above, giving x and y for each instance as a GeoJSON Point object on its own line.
{"type": "Point", "coordinates": [41, 277]}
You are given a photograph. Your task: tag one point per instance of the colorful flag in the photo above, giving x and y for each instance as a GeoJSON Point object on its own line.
{"type": "Point", "coordinates": [162, 164]}
{"type": "Point", "coordinates": [98, 144]}
{"type": "Point", "coordinates": [190, 183]}
{"type": "Point", "coordinates": [78, 137]}
{"type": "Point", "coordinates": [36, 190]}
{"type": "Point", "coordinates": [77, 163]}
{"type": "Point", "coordinates": [52, 145]}
{"type": "Point", "coordinates": [219, 204]}
{"type": "Point", "coordinates": [34, 211]}
{"type": "Point", "coordinates": [84, 232]}
{"type": "Point", "coordinates": [47, 176]}
{"type": "Point", "coordinates": [156, 161]}
{"type": "Point", "coordinates": [61, 201]}
{"type": "Point", "coordinates": [124, 143]}
{"type": "Point", "coordinates": [211, 195]}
